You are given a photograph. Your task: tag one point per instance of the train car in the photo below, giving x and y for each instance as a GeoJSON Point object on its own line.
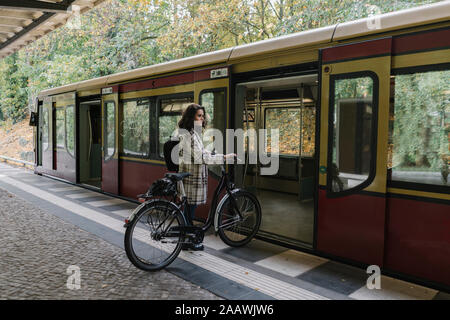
{"type": "Point", "coordinates": [363, 112]}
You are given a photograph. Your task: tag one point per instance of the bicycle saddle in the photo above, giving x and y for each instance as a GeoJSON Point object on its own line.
{"type": "Point", "coordinates": [177, 176]}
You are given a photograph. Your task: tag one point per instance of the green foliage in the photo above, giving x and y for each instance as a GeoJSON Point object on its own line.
{"type": "Point", "coordinates": [70, 129]}
{"type": "Point", "coordinates": [13, 90]}
{"type": "Point", "coordinates": [422, 121]}
{"type": "Point", "coordinates": [121, 35]}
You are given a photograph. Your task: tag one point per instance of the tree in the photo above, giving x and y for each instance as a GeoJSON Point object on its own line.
{"type": "Point", "coordinates": [121, 35]}
{"type": "Point", "coordinates": [13, 90]}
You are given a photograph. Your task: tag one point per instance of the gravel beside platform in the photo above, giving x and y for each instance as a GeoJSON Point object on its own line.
{"type": "Point", "coordinates": [38, 248]}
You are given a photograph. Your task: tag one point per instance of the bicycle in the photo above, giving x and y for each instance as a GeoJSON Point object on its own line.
{"type": "Point", "coordinates": [157, 229]}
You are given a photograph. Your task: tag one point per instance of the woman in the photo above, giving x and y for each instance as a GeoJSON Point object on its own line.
{"type": "Point", "coordinates": [194, 158]}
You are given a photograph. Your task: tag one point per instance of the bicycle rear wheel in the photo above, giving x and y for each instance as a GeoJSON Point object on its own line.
{"type": "Point", "coordinates": [149, 243]}
{"type": "Point", "coordinates": [233, 230]}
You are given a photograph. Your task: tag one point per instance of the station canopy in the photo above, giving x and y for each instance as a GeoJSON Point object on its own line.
{"type": "Point", "coordinates": [24, 21]}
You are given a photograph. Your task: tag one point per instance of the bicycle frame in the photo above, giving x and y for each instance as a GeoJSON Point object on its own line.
{"type": "Point", "coordinates": [223, 183]}
{"type": "Point", "coordinates": [183, 234]}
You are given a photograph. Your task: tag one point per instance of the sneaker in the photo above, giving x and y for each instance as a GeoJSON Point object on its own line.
{"type": "Point", "coordinates": [186, 246]}
{"type": "Point", "coordinates": [197, 247]}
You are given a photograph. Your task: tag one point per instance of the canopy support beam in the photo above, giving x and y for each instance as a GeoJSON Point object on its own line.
{"type": "Point", "coordinates": [33, 5]}
{"type": "Point", "coordinates": [28, 28]}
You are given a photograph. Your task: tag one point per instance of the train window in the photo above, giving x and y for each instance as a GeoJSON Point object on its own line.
{"type": "Point", "coordinates": [308, 131]}
{"type": "Point", "coordinates": [60, 128]}
{"type": "Point", "coordinates": [352, 132]}
{"type": "Point", "coordinates": [287, 121]}
{"type": "Point", "coordinates": [214, 102]}
{"type": "Point", "coordinates": [45, 129]}
{"type": "Point", "coordinates": [136, 127]}
{"type": "Point", "coordinates": [420, 127]}
{"type": "Point", "coordinates": [110, 129]}
{"type": "Point", "coordinates": [170, 111]}
{"type": "Point", "coordinates": [70, 130]}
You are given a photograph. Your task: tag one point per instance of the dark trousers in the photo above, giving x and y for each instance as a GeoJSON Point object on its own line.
{"type": "Point", "coordinates": [189, 213]}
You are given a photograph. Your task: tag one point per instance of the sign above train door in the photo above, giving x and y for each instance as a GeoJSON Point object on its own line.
{"type": "Point", "coordinates": [219, 73]}
{"type": "Point", "coordinates": [107, 90]}
{"type": "Point", "coordinates": [355, 89]}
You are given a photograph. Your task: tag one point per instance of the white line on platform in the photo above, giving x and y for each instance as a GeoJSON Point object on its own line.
{"type": "Point", "coordinates": [123, 213]}
{"type": "Point", "coordinates": [30, 177]}
{"type": "Point", "coordinates": [44, 184]}
{"type": "Point", "coordinates": [61, 189]}
{"type": "Point", "coordinates": [8, 170]}
{"type": "Point", "coordinates": [31, 180]}
{"type": "Point", "coordinates": [81, 195]}
{"type": "Point", "coordinates": [104, 203]}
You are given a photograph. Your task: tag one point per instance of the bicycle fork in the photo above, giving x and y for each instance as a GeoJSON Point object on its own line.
{"type": "Point", "coordinates": [235, 207]}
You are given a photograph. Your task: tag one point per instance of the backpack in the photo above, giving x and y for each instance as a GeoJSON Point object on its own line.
{"type": "Point", "coordinates": [168, 147]}
{"type": "Point", "coordinates": [162, 187]}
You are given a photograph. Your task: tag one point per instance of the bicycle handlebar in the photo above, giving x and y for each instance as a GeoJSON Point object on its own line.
{"type": "Point", "coordinates": [235, 158]}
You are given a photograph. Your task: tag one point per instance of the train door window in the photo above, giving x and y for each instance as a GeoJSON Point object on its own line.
{"type": "Point", "coordinates": [60, 128]}
{"type": "Point", "coordinates": [70, 130]}
{"type": "Point", "coordinates": [214, 102]}
{"type": "Point", "coordinates": [420, 128]}
{"type": "Point", "coordinates": [170, 111]}
{"type": "Point", "coordinates": [110, 129]}
{"type": "Point", "coordinates": [352, 131]}
{"type": "Point", "coordinates": [45, 129]}
{"type": "Point", "coordinates": [136, 127]}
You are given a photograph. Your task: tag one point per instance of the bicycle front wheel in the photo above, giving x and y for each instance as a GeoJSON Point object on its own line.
{"type": "Point", "coordinates": [236, 230]}
{"type": "Point", "coordinates": [150, 240]}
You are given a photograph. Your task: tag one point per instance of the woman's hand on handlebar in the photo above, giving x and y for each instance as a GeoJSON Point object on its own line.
{"type": "Point", "coordinates": [230, 156]}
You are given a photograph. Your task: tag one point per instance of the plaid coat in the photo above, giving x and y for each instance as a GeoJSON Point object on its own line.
{"type": "Point", "coordinates": [194, 158]}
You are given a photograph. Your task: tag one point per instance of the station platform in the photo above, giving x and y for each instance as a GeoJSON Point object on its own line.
{"type": "Point", "coordinates": [258, 271]}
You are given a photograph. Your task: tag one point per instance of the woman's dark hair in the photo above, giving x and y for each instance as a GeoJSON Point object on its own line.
{"type": "Point", "coordinates": [187, 120]}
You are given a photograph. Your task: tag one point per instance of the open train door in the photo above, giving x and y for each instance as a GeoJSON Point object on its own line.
{"type": "Point", "coordinates": [110, 140]}
{"type": "Point", "coordinates": [46, 133]}
{"type": "Point", "coordinates": [64, 135]}
{"type": "Point", "coordinates": [353, 150]}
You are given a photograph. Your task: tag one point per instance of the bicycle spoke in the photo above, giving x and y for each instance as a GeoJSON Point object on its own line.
{"type": "Point", "coordinates": [239, 220]}
{"type": "Point", "coordinates": [149, 242]}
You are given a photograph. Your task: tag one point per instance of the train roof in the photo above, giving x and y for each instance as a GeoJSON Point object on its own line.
{"type": "Point", "coordinates": [423, 15]}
